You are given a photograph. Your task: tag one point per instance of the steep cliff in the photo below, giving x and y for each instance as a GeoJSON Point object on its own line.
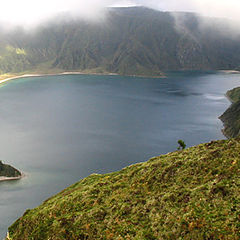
{"type": "Point", "coordinates": [231, 117]}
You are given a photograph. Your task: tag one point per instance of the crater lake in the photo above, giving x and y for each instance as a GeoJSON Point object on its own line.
{"type": "Point", "coordinates": [60, 129]}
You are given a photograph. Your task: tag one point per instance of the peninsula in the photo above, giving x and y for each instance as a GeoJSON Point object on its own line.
{"type": "Point", "coordinates": [8, 172]}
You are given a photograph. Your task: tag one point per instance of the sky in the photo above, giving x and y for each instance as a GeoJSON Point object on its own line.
{"type": "Point", "coordinates": [30, 12]}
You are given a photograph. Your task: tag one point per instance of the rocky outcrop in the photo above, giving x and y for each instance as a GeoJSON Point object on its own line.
{"type": "Point", "coordinates": [231, 117]}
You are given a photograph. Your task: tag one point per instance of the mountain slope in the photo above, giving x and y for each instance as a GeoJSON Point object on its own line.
{"type": "Point", "coordinates": [190, 194]}
{"type": "Point", "coordinates": [130, 41]}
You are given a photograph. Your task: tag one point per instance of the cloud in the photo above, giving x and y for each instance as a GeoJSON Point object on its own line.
{"type": "Point", "coordinates": [214, 8]}
{"type": "Point", "coordinates": [29, 12]}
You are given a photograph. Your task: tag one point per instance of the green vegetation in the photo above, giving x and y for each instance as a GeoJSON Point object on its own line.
{"type": "Point", "coordinates": [231, 117]}
{"type": "Point", "coordinates": [189, 194]}
{"type": "Point", "coordinates": [234, 95]}
{"type": "Point", "coordinates": [182, 145]}
{"type": "Point", "coordinates": [8, 171]}
{"type": "Point", "coordinates": [131, 41]}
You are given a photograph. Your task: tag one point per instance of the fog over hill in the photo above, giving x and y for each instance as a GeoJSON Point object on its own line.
{"type": "Point", "coordinates": [128, 41]}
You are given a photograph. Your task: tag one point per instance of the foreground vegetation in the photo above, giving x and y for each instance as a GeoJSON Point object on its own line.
{"type": "Point", "coordinates": [187, 194]}
{"type": "Point", "coordinates": [231, 118]}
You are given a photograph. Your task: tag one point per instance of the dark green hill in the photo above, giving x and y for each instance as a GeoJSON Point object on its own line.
{"type": "Point", "coordinates": [231, 117]}
{"type": "Point", "coordinates": [8, 171]}
{"type": "Point", "coordinates": [234, 95]}
{"type": "Point", "coordinates": [131, 41]}
{"type": "Point", "coordinates": [192, 194]}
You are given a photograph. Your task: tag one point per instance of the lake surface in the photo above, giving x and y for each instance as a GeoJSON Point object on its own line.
{"type": "Point", "coordinates": [59, 129]}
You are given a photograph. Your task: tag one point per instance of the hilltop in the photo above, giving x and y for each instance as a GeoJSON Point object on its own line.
{"type": "Point", "coordinates": [189, 194]}
{"type": "Point", "coordinates": [231, 117]}
{"type": "Point", "coordinates": [130, 41]}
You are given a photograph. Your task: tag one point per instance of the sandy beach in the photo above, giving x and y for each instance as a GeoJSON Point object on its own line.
{"type": "Point", "coordinates": [37, 75]}
{"type": "Point", "coordinates": [68, 73]}
{"type": "Point", "coordinates": [10, 178]}
{"type": "Point", "coordinates": [50, 74]}
{"type": "Point", "coordinates": [3, 178]}
{"type": "Point", "coordinates": [230, 71]}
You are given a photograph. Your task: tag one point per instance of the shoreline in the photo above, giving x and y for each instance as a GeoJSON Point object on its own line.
{"type": "Point", "coordinates": [3, 80]}
{"type": "Point", "coordinates": [230, 71]}
{"type": "Point", "coordinates": [37, 75]}
{"type": "Point", "coordinates": [52, 74]}
{"type": "Point", "coordinates": [4, 179]}
{"type": "Point", "coordinates": [68, 73]}
{"type": "Point", "coordinates": [9, 78]}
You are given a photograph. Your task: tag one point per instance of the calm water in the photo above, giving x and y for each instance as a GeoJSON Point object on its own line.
{"type": "Point", "coordinates": [60, 129]}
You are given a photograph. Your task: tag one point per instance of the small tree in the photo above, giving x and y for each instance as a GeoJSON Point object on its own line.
{"type": "Point", "coordinates": [182, 145]}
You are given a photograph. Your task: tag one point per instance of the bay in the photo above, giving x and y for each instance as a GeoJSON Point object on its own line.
{"type": "Point", "coordinates": [60, 129]}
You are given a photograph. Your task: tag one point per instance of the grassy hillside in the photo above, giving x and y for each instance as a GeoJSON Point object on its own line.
{"type": "Point", "coordinates": [131, 41]}
{"type": "Point", "coordinates": [234, 95]}
{"type": "Point", "coordinates": [231, 117]}
{"type": "Point", "coordinates": [189, 194]}
{"type": "Point", "coordinates": [8, 171]}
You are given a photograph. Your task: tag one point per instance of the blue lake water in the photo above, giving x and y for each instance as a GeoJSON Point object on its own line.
{"type": "Point", "coordinates": [59, 129]}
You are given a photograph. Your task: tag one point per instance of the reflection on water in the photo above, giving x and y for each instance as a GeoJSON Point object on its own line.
{"type": "Point", "coordinates": [60, 129]}
{"type": "Point", "coordinates": [214, 97]}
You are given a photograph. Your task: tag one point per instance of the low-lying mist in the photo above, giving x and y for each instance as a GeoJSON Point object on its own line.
{"type": "Point", "coordinates": [30, 13]}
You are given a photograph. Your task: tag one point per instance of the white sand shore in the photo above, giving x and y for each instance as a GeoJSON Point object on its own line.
{"type": "Point", "coordinates": [38, 75]}
{"type": "Point", "coordinates": [52, 74]}
{"type": "Point", "coordinates": [2, 178]}
{"type": "Point", "coordinates": [70, 73]}
{"type": "Point", "coordinates": [9, 178]}
{"type": "Point", "coordinates": [230, 71]}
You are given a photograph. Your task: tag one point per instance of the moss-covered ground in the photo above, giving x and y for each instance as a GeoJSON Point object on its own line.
{"type": "Point", "coordinates": [189, 194]}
